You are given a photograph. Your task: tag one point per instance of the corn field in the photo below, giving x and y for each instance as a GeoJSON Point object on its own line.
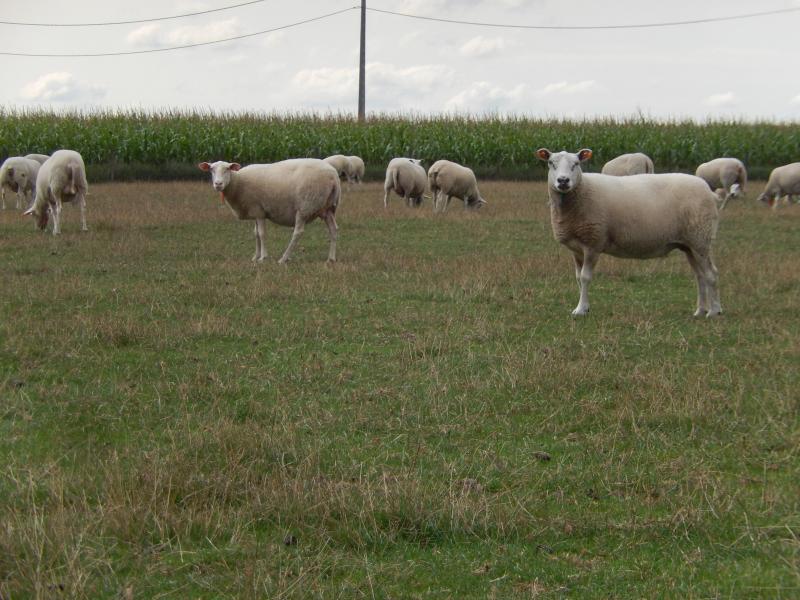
{"type": "Point", "coordinates": [167, 144]}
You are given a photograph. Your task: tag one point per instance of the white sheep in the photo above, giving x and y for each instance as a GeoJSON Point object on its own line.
{"type": "Point", "coordinates": [356, 169]}
{"type": "Point", "coordinates": [447, 180]}
{"type": "Point", "coordinates": [727, 173]}
{"type": "Point", "coordinates": [19, 175]}
{"type": "Point", "coordinates": [783, 181]}
{"type": "Point", "coordinates": [641, 216]}
{"type": "Point", "coordinates": [341, 164]}
{"type": "Point", "coordinates": [62, 178]}
{"type": "Point", "coordinates": [40, 158]}
{"type": "Point", "coordinates": [290, 193]}
{"type": "Point", "coordinates": [407, 178]}
{"type": "Point", "coordinates": [629, 164]}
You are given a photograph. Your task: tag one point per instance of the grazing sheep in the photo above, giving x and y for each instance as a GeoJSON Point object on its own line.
{"type": "Point", "coordinates": [448, 179]}
{"type": "Point", "coordinates": [629, 164]}
{"type": "Point", "coordinates": [783, 181]}
{"type": "Point", "coordinates": [40, 158]}
{"type": "Point", "coordinates": [341, 164]}
{"type": "Point", "coordinates": [407, 178]}
{"type": "Point", "coordinates": [726, 173]}
{"type": "Point", "coordinates": [356, 169]}
{"type": "Point", "coordinates": [19, 175]}
{"type": "Point", "coordinates": [62, 178]}
{"type": "Point", "coordinates": [290, 193]}
{"type": "Point", "coordinates": [641, 216]}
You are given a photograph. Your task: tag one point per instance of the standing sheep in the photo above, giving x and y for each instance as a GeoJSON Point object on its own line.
{"type": "Point", "coordinates": [727, 173]}
{"type": "Point", "coordinates": [641, 216]}
{"type": "Point", "coordinates": [629, 164]}
{"type": "Point", "coordinates": [290, 193]}
{"type": "Point", "coordinates": [19, 175]}
{"type": "Point", "coordinates": [783, 181]}
{"type": "Point", "coordinates": [356, 169]}
{"type": "Point", "coordinates": [62, 178]}
{"type": "Point", "coordinates": [448, 179]}
{"type": "Point", "coordinates": [341, 164]}
{"type": "Point", "coordinates": [407, 178]}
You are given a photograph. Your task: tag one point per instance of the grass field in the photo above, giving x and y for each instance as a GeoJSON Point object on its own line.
{"type": "Point", "coordinates": [423, 419]}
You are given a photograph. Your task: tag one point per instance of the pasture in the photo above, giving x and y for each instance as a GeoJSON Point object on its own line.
{"type": "Point", "coordinates": [423, 419]}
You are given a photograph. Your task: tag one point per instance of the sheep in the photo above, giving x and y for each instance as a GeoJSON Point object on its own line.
{"type": "Point", "coordinates": [19, 175]}
{"type": "Point", "coordinates": [356, 169]}
{"type": "Point", "coordinates": [341, 164]}
{"type": "Point", "coordinates": [62, 178]}
{"type": "Point", "coordinates": [448, 179]}
{"type": "Point", "coordinates": [783, 181]}
{"type": "Point", "coordinates": [40, 158]}
{"type": "Point", "coordinates": [629, 164]}
{"type": "Point", "coordinates": [640, 216]}
{"type": "Point", "coordinates": [727, 173]}
{"type": "Point", "coordinates": [290, 193]}
{"type": "Point", "coordinates": [407, 178]}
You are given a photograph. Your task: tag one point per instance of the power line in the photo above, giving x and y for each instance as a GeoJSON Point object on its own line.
{"type": "Point", "coordinates": [230, 39]}
{"type": "Point", "coordinates": [194, 14]}
{"type": "Point", "coordinates": [572, 27]}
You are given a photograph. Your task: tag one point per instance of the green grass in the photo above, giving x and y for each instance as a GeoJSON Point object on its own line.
{"type": "Point", "coordinates": [171, 414]}
{"type": "Point", "coordinates": [125, 145]}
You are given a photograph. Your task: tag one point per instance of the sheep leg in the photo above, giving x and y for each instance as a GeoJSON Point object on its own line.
{"type": "Point", "coordinates": [3, 195]}
{"type": "Point", "coordinates": [702, 287]}
{"type": "Point", "coordinates": [577, 258]}
{"type": "Point", "coordinates": [333, 233]}
{"type": "Point", "coordinates": [82, 201]}
{"type": "Point", "coordinates": [435, 199]}
{"type": "Point", "coordinates": [261, 246]}
{"type": "Point", "coordinates": [712, 288]}
{"type": "Point", "coordinates": [585, 278]}
{"type": "Point", "coordinates": [725, 200]}
{"type": "Point", "coordinates": [299, 226]}
{"type": "Point", "coordinates": [385, 198]}
{"type": "Point", "coordinates": [55, 210]}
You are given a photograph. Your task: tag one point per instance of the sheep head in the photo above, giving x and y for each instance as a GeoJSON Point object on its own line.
{"type": "Point", "coordinates": [564, 168]}
{"type": "Point", "coordinates": [220, 173]}
{"type": "Point", "coordinates": [40, 214]}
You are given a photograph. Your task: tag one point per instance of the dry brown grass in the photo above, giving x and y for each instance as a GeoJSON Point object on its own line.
{"type": "Point", "coordinates": [178, 422]}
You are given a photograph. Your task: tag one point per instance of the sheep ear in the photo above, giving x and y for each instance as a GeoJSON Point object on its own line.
{"type": "Point", "coordinates": [584, 154]}
{"type": "Point", "coordinates": [235, 166]}
{"type": "Point", "coordinates": [204, 166]}
{"type": "Point", "coordinates": [543, 153]}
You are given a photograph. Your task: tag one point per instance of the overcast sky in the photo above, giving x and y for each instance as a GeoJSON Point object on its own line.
{"type": "Point", "coordinates": [745, 68]}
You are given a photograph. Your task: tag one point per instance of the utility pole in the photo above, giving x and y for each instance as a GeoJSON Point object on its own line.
{"type": "Point", "coordinates": [362, 64]}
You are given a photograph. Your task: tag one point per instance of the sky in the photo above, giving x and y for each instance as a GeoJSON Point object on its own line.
{"type": "Point", "coordinates": [733, 69]}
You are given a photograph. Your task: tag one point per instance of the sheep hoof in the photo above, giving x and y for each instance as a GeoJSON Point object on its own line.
{"type": "Point", "coordinates": [714, 313]}
{"type": "Point", "coordinates": [700, 312]}
{"type": "Point", "coordinates": [580, 311]}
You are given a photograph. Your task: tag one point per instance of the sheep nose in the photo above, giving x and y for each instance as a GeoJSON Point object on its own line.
{"type": "Point", "coordinates": [563, 181]}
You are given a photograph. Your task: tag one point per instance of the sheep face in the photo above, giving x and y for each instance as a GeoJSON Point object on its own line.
{"type": "Point", "coordinates": [564, 168]}
{"type": "Point", "coordinates": [766, 199]}
{"type": "Point", "coordinates": [10, 180]}
{"type": "Point", "coordinates": [220, 173]}
{"type": "Point", "coordinates": [40, 215]}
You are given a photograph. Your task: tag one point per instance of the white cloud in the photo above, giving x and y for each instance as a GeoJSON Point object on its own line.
{"type": "Point", "coordinates": [796, 99]}
{"type": "Point", "coordinates": [480, 46]}
{"type": "Point", "coordinates": [721, 100]}
{"type": "Point", "coordinates": [61, 87]}
{"type": "Point", "coordinates": [483, 96]}
{"type": "Point", "coordinates": [384, 82]}
{"type": "Point", "coordinates": [154, 34]}
{"type": "Point", "coordinates": [564, 87]}
{"type": "Point", "coordinates": [273, 39]}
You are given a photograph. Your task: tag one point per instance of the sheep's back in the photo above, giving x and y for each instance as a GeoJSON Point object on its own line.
{"type": "Point", "coordinates": [279, 190]}
{"type": "Point", "coordinates": [649, 211]}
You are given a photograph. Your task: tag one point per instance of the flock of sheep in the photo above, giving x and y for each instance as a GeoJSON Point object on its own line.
{"type": "Point", "coordinates": [626, 211]}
